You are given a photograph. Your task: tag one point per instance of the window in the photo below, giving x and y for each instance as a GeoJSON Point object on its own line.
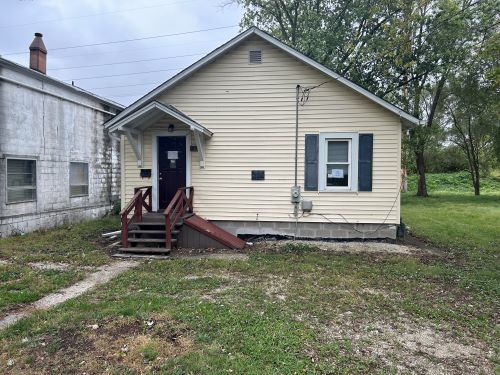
{"type": "Point", "coordinates": [255, 57]}
{"type": "Point", "coordinates": [338, 161]}
{"type": "Point", "coordinates": [78, 179]}
{"type": "Point", "coordinates": [21, 180]}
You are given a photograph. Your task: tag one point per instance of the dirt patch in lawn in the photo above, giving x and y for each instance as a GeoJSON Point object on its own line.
{"type": "Point", "coordinates": [410, 346]}
{"type": "Point", "coordinates": [276, 288]}
{"type": "Point", "coordinates": [217, 256]}
{"type": "Point", "coordinates": [349, 247]}
{"type": "Point", "coordinates": [112, 345]}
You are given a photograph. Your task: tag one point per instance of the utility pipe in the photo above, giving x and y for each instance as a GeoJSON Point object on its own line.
{"type": "Point", "coordinates": [296, 129]}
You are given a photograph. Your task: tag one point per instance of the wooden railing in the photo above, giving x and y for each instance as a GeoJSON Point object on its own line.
{"type": "Point", "coordinates": [142, 199]}
{"type": "Point", "coordinates": [181, 203]}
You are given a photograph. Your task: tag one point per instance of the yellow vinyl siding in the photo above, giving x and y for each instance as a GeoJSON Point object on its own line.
{"type": "Point", "coordinates": [250, 108]}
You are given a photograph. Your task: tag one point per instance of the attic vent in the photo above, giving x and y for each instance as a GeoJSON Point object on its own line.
{"type": "Point", "coordinates": [255, 56]}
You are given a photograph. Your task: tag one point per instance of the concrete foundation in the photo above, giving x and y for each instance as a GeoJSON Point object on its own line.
{"type": "Point", "coordinates": [341, 231]}
{"type": "Point", "coordinates": [49, 219]}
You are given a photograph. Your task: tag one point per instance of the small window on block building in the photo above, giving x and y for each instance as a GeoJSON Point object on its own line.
{"type": "Point", "coordinates": [78, 179]}
{"type": "Point", "coordinates": [21, 180]}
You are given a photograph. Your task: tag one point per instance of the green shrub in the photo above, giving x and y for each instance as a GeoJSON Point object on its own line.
{"type": "Point", "coordinates": [458, 182]}
{"type": "Point", "coordinates": [117, 207]}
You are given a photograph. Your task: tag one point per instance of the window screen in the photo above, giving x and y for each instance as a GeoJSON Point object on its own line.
{"type": "Point", "coordinates": [338, 163]}
{"type": "Point", "coordinates": [21, 180]}
{"type": "Point", "coordinates": [78, 179]}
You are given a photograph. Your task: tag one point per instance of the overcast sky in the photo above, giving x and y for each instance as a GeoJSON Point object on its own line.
{"type": "Point", "coordinates": [79, 22]}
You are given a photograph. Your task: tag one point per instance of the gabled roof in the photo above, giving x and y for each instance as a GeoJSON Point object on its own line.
{"type": "Point", "coordinates": [37, 75]}
{"type": "Point", "coordinates": [254, 31]}
{"type": "Point", "coordinates": [155, 110]}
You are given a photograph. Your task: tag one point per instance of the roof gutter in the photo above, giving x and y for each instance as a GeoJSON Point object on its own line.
{"type": "Point", "coordinates": [43, 91]}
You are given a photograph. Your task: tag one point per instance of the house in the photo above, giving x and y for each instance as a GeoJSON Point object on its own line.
{"type": "Point", "coordinates": [57, 163]}
{"type": "Point", "coordinates": [271, 141]}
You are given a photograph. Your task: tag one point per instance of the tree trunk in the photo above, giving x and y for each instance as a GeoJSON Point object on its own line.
{"type": "Point", "coordinates": [422, 185]}
{"type": "Point", "coordinates": [476, 182]}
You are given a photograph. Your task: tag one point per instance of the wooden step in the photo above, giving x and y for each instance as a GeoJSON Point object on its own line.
{"type": "Point", "coordinates": [150, 240]}
{"type": "Point", "coordinates": [147, 231]}
{"type": "Point", "coordinates": [150, 224]}
{"type": "Point", "coordinates": [175, 232]}
{"type": "Point", "coordinates": [155, 250]}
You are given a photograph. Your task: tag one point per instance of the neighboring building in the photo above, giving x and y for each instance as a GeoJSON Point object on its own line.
{"type": "Point", "coordinates": [57, 163]}
{"type": "Point", "coordinates": [226, 126]}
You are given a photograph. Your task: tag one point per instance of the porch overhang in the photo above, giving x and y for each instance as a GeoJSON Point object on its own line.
{"type": "Point", "coordinates": [132, 126]}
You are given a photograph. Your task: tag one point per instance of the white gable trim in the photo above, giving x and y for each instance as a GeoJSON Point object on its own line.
{"type": "Point", "coordinates": [159, 106]}
{"type": "Point", "coordinates": [255, 31]}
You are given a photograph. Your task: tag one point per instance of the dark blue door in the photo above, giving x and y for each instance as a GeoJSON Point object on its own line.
{"type": "Point", "coordinates": [171, 168]}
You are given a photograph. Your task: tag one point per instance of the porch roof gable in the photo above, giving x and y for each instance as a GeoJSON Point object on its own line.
{"type": "Point", "coordinates": [154, 111]}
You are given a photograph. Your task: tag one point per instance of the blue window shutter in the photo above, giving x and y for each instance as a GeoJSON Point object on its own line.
{"type": "Point", "coordinates": [311, 162]}
{"type": "Point", "coordinates": [365, 162]}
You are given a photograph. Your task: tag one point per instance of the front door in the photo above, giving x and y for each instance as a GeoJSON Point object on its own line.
{"type": "Point", "coordinates": [171, 168]}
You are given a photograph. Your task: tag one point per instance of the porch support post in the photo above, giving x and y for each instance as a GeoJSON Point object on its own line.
{"type": "Point", "coordinates": [135, 142]}
{"type": "Point", "coordinates": [200, 144]}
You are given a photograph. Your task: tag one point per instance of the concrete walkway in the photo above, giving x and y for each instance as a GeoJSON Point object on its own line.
{"type": "Point", "coordinates": [101, 276]}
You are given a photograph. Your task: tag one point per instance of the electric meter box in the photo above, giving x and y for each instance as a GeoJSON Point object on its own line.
{"type": "Point", "coordinates": [295, 194]}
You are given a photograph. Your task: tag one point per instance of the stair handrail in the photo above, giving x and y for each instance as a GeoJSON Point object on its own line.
{"type": "Point", "coordinates": [148, 194]}
{"type": "Point", "coordinates": [137, 203]}
{"type": "Point", "coordinates": [177, 208]}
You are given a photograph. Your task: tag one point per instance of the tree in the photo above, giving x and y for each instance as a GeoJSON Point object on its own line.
{"type": "Point", "coordinates": [402, 50]}
{"type": "Point", "coordinates": [472, 110]}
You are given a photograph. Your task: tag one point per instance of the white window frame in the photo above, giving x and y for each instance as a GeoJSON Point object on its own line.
{"type": "Point", "coordinates": [353, 139]}
{"type": "Point", "coordinates": [7, 180]}
{"type": "Point", "coordinates": [88, 180]}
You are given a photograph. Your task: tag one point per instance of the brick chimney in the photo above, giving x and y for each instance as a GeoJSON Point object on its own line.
{"type": "Point", "coordinates": [38, 54]}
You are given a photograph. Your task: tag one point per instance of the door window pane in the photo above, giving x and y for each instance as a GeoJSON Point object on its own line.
{"type": "Point", "coordinates": [21, 180]}
{"type": "Point", "coordinates": [338, 152]}
{"type": "Point", "coordinates": [78, 179]}
{"type": "Point", "coordinates": [337, 175]}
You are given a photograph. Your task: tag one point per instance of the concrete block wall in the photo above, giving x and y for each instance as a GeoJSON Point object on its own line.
{"type": "Point", "coordinates": [54, 132]}
{"type": "Point", "coordinates": [310, 230]}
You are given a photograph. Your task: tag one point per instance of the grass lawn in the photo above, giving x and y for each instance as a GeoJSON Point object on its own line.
{"type": "Point", "coordinates": [277, 313]}
{"type": "Point", "coordinates": [457, 221]}
{"type": "Point", "coordinates": [287, 309]}
{"type": "Point", "coordinates": [26, 274]}
{"type": "Point", "coordinates": [78, 244]}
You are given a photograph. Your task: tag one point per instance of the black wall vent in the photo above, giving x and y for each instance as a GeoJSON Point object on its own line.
{"type": "Point", "coordinates": [255, 56]}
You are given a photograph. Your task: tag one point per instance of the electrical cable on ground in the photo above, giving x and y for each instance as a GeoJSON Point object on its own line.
{"type": "Point", "coordinates": [353, 224]}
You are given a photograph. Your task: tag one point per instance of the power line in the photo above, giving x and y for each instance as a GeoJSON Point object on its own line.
{"type": "Point", "coordinates": [129, 40]}
{"type": "Point", "coordinates": [128, 62]}
{"type": "Point", "coordinates": [138, 49]}
{"type": "Point", "coordinates": [118, 86]}
{"type": "Point", "coordinates": [125, 96]}
{"type": "Point", "coordinates": [95, 14]}
{"type": "Point", "coordinates": [124, 74]}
